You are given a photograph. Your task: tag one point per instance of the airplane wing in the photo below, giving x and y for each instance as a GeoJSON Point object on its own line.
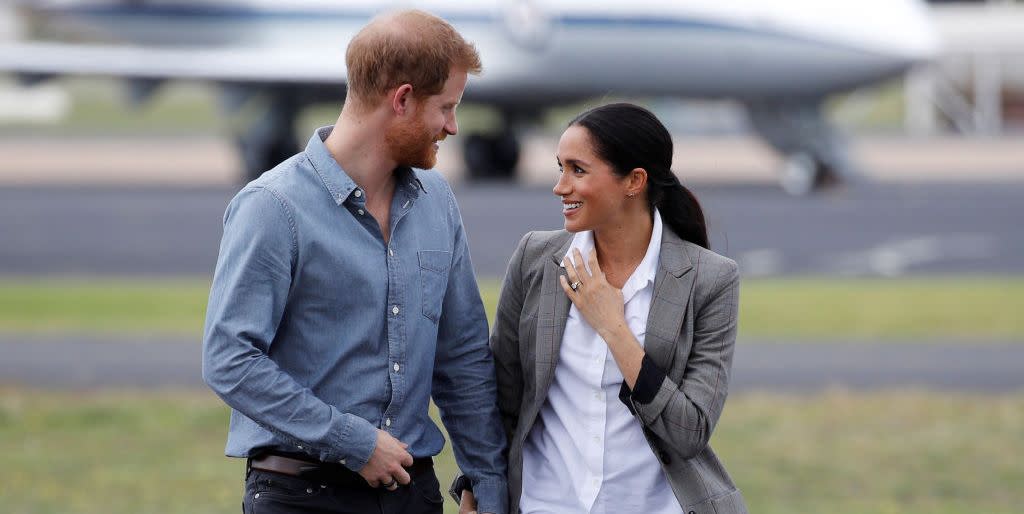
{"type": "Point", "coordinates": [508, 79]}
{"type": "Point", "coordinates": [248, 65]}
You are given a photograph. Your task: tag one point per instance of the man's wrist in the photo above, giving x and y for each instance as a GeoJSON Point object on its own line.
{"type": "Point", "coordinates": [491, 495]}
{"type": "Point", "coordinates": [461, 483]}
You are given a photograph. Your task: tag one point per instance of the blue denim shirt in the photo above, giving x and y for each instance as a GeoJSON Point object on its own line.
{"type": "Point", "coordinates": [318, 333]}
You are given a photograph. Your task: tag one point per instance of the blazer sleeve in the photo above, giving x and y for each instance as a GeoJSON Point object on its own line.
{"type": "Point", "coordinates": [685, 414]}
{"type": "Point", "coordinates": [505, 340]}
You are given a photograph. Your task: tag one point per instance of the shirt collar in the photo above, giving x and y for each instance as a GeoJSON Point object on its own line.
{"type": "Point", "coordinates": [337, 182]}
{"type": "Point", "coordinates": [645, 272]}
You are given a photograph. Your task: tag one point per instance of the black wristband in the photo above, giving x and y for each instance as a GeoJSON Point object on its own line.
{"type": "Point", "coordinates": [648, 382]}
{"type": "Point", "coordinates": [461, 483]}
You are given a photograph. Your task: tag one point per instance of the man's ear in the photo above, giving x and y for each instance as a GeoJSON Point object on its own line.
{"type": "Point", "coordinates": [401, 99]}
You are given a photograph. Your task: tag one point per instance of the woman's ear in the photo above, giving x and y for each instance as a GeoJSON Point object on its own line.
{"type": "Point", "coordinates": [636, 182]}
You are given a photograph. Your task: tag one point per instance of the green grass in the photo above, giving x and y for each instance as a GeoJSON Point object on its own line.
{"type": "Point", "coordinates": [99, 106]}
{"type": "Point", "coordinates": [102, 107]}
{"type": "Point", "coordinates": [971, 309]}
{"type": "Point", "coordinates": [901, 452]}
{"type": "Point", "coordinates": [835, 452]}
{"type": "Point", "coordinates": [79, 306]}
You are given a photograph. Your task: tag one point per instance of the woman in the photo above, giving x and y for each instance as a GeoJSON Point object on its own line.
{"type": "Point", "coordinates": [614, 337]}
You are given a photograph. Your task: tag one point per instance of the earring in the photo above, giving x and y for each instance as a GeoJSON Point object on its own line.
{"type": "Point", "coordinates": [631, 195]}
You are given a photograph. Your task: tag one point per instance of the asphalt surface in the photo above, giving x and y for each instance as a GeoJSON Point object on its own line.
{"type": "Point", "coordinates": [864, 230]}
{"type": "Point", "coordinates": [796, 367]}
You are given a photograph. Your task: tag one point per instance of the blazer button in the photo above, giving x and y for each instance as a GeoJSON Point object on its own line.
{"type": "Point", "coordinates": [691, 512]}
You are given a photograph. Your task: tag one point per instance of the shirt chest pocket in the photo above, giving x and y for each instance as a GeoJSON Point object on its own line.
{"type": "Point", "coordinates": [434, 265]}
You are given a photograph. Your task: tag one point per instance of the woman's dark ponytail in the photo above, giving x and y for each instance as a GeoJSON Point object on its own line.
{"type": "Point", "coordinates": [628, 136]}
{"type": "Point", "coordinates": [679, 208]}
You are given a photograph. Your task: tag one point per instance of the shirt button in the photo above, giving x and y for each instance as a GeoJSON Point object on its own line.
{"type": "Point", "coordinates": [361, 212]}
{"type": "Point", "coordinates": [394, 309]}
{"type": "Point", "coordinates": [342, 462]}
{"type": "Point", "coordinates": [397, 367]}
{"type": "Point", "coordinates": [358, 193]}
{"type": "Point", "coordinates": [387, 422]}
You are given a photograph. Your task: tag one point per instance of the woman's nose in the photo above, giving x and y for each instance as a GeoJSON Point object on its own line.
{"type": "Point", "coordinates": [561, 187]}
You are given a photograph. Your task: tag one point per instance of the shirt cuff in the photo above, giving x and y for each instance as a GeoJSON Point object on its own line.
{"type": "Point", "coordinates": [356, 444]}
{"type": "Point", "coordinates": [491, 496]}
{"type": "Point", "coordinates": [648, 382]}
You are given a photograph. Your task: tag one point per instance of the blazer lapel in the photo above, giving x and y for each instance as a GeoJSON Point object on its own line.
{"type": "Point", "coordinates": [673, 286]}
{"type": "Point", "coordinates": [551, 317]}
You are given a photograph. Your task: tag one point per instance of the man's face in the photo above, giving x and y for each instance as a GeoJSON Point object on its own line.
{"type": "Point", "coordinates": [414, 142]}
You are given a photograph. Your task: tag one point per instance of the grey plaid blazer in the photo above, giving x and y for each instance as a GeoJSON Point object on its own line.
{"type": "Point", "coordinates": [691, 330]}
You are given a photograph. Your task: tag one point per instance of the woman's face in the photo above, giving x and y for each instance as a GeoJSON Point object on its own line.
{"type": "Point", "coordinates": [593, 196]}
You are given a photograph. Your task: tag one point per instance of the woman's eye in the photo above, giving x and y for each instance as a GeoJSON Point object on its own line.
{"type": "Point", "coordinates": [577, 169]}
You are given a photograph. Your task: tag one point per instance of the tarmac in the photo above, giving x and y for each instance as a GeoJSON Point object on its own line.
{"type": "Point", "coordinates": [152, 205]}
{"type": "Point", "coordinates": [209, 161]}
{"type": "Point", "coordinates": [154, 363]}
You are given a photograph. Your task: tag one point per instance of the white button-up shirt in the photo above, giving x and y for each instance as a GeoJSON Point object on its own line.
{"type": "Point", "coordinates": [586, 453]}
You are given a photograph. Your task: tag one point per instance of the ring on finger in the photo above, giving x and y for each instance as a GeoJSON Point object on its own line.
{"type": "Point", "coordinates": [575, 286]}
{"type": "Point", "coordinates": [392, 485]}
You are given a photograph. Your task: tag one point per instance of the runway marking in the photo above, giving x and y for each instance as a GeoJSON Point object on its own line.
{"type": "Point", "coordinates": [895, 258]}
{"type": "Point", "coordinates": [760, 262]}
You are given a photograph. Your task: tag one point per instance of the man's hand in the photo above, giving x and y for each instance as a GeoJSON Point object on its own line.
{"type": "Point", "coordinates": [386, 464]}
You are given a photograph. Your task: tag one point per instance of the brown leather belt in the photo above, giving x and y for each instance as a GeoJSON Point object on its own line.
{"type": "Point", "coordinates": [335, 474]}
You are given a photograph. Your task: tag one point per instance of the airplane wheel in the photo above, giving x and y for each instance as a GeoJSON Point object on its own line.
{"type": "Point", "coordinates": [260, 156]}
{"type": "Point", "coordinates": [491, 157]}
{"type": "Point", "coordinates": [800, 174]}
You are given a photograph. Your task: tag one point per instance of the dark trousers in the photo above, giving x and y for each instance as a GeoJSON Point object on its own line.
{"type": "Point", "coordinates": [272, 493]}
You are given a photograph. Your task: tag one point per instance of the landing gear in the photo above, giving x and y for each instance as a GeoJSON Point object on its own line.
{"type": "Point", "coordinates": [270, 140]}
{"type": "Point", "coordinates": [491, 156]}
{"type": "Point", "coordinates": [260, 154]}
{"type": "Point", "coordinates": [814, 153]}
{"type": "Point", "coordinates": [801, 174]}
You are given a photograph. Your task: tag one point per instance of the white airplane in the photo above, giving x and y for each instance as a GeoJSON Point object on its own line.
{"type": "Point", "coordinates": [780, 59]}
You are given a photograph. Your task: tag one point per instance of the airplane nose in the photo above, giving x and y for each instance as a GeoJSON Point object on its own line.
{"type": "Point", "coordinates": [917, 41]}
{"type": "Point", "coordinates": [920, 43]}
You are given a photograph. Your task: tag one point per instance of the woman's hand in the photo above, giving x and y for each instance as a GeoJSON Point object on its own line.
{"type": "Point", "coordinates": [603, 306]}
{"type": "Point", "coordinates": [468, 503]}
{"type": "Point", "coordinates": [600, 303]}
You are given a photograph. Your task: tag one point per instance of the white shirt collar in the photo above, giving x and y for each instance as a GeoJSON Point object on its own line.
{"type": "Point", "coordinates": [644, 273]}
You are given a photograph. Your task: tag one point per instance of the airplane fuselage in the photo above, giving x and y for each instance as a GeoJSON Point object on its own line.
{"type": "Point", "coordinates": [559, 50]}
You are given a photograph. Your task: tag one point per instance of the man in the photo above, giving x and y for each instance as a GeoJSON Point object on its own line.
{"type": "Point", "coordinates": [344, 299]}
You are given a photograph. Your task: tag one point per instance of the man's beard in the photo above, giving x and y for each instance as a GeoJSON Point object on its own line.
{"type": "Point", "coordinates": [412, 144]}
